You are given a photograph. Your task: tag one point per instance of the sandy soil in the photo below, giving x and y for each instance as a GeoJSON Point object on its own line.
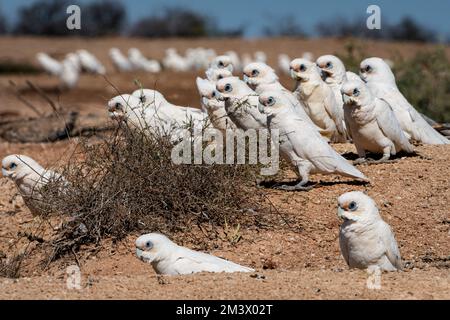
{"type": "Point", "coordinates": [300, 261]}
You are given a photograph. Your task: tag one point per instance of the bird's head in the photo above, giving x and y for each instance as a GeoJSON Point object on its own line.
{"type": "Point", "coordinates": [232, 88]}
{"type": "Point", "coordinates": [304, 70]}
{"type": "Point", "coordinates": [272, 102]}
{"type": "Point", "coordinates": [257, 73]}
{"type": "Point", "coordinates": [376, 70]}
{"type": "Point", "coordinates": [208, 94]}
{"type": "Point", "coordinates": [222, 62]}
{"type": "Point", "coordinates": [333, 70]}
{"type": "Point", "coordinates": [152, 247]}
{"type": "Point", "coordinates": [355, 93]}
{"type": "Point", "coordinates": [16, 167]}
{"type": "Point", "coordinates": [122, 106]}
{"type": "Point", "coordinates": [215, 75]}
{"type": "Point", "coordinates": [357, 207]}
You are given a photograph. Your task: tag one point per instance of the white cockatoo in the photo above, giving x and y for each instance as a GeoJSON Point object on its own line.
{"type": "Point", "coordinates": [372, 123]}
{"type": "Point", "coordinates": [319, 99]}
{"type": "Point", "coordinates": [174, 61]}
{"type": "Point", "coordinates": [222, 62]}
{"type": "Point", "coordinates": [301, 144]}
{"type": "Point", "coordinates": [70, 74]}
{"type": "Point", "coordinates": [215, 75]}
{"type": "Point", "coordinates": [308, 56]}
{"type": "Point", "coordinates": [260, 57]}
{"type": "Point", "coordinates": [140, 62]}
{"type": "Point", "coordinates": [235, 61]}
{"type": "Point", "coordinates": [284, 63]}
{"type": "Point", "coordinates": [381, 81]}
{"type": "Point", "coordinates": [246, 59]}
{"type": "Point", "coordinates": [178, 116]}
{"type": "Point", "coordinates": [366, 241]}
{"type": "Point", "coordinates": [168, 258]}
{"type": "Point", "coordinates": [241, 103]}
{"type": "Point", "coordinates": [90, 63]}
{"type": "Point", "coordinates": [334, 74]}
{"type": "Point", "coordinates": [50, 65]}
{"type": "Point", "coordinates": [260, 77]}
{"type": "Point", "coordinates": [214, 107]}
{"type": "Point", "coordinates": [120, 61]}
{"type": "Point", "coordinates": [29, 177]}
{"type": "Point", "coordinates": [351, 76]}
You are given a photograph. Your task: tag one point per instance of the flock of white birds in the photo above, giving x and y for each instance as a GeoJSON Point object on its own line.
{"type": "Point", "coordinates": [328, 105]}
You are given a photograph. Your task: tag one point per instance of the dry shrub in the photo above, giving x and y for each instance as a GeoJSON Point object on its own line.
{"type": "Point", "coordinates": [128, 184]}
{"type": "Point", "coordinates": [10, 267]}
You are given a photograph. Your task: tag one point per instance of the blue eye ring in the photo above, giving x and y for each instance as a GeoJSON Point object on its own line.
{"type": "Point", "coordinates": [13, 166]}
{"type": "Point", "coordinates": [356, 92]}
{"type": "Point", "coordinates": [329, 65]}
{"type": "Point", "coordinates": [228, 87]}
{"type": "Point", "coordinates": [352, 206]}
{"type": "Point", "coordinates": [255, 73]}
{"type": "Point", "coordinates": [270, 101]}
{"type": "Point", "coordinates": [302, 68]}
{"type": "Point", "coordinates": [149, 245]}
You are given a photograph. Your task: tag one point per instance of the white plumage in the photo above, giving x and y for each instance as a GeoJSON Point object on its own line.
{"type": "Point", "coordinates": [319, 99]}
{"type": "Point", "coordinates": [29, 177]}
{"type": "Point", "coordinates": [241, 103]}
{"type": "Point", "coordinates": [90, 63]}
{"type": "Point", "coordinates": [168, 258]}
{"type": "Point", "coordinates": [301, 144]}
{"type": "Point", "coordinates": [120, 61]}
{"type": "Point", "coordinates": [366, 241]}
{"type": "Point", "coordinates": [371, 122]}
{"type": "Point", "coordinates": [381, 81]}
{"type": "Point", "coordinates": [139, 62]}
{"type": "Point", "coordinates": [50, 65]}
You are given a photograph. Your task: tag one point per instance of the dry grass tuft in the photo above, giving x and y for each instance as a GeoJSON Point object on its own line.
{"type": "Point", "coordinates": [128, 184]}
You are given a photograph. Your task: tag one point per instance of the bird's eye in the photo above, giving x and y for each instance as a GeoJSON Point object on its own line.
{"type": "Point", "coordinates": [270, 101]}
{"type": "Point", "coordinates": [302, 68]}
{"type": "Point", "coordinates": [255, 73]}
{"type": "Point", "coordinates": [220, 77]}
{"type": "Point", "coordinates": [329, 65]}
{"type": "Point", "coordinates": [149, 245]}
{"type": "Point", "coordinates": [13, 166]}
{"type": "Point", "coordinates": [228, 87]}
{"type": "Point", "coordinates": [368, 69]}
{"type": "Point", "coordinates": [220, 64]}
{"type": "Point", "coordinates": [352, 206]}
{"type": "Point", "coordinates": [213, 94]}
{"type": "Point", "coordinates": [356, 92]}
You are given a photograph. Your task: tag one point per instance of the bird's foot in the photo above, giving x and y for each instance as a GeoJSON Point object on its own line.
{"type": "Point", "coordinates": [360, 161]}
{"type": "Point", "coordinates": [382, 160]}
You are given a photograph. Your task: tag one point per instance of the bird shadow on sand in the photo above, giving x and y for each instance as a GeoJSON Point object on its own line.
{"type": "Point", "coordinates": [372, 158]}
{"type": "Point", "coordinates": [272, 184]}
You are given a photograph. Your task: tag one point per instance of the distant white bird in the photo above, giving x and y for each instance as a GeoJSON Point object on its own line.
{"type": "Point", "coordinates": [381, 81]}
{"type": "Point", "coordinates": [120, 61]}
{"type": "Point", "coordinates": [308, 56]}
{"type": "Point", "coordinates": [174, 61]}
{"type": "Point", "coordinates": [260, 57]}
{"type": "Point", "coordinates": [319, 99]}
{"type": "Point", "coordinates": [246, 59]}
{"type": "Point", "coordinates": [90, 63]}
{"type": "Point", "coordinates": [168, 258]}
{"type": "Point", "coordinates": [366, 241]}
{"type": "Point", "coordinates": [300, 144]}
{"type": "Point", "coordinates": [241, 103]}
{"type": "Point", "coordinates": [235, 61]}
{"type": "Point", "coordinates": [50, 65]}
{"type": "Point", "coordinates": [140, 62]}
{"type": "Point", "coordinates": [222, 62]}
{"type": "Point", "coordinates": [29, 177]}
{"type": "Point", "coordinates": [284, 63]}
{"type": "Point", "coordinates": [70, 74]}
{"type": "Point", "coordinates": [372, 123]}
{"type": "Point", "coordinates": [214, 107]}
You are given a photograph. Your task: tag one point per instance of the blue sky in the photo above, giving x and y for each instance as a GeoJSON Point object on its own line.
{"type": "Point", "coordinates": [257, 13]}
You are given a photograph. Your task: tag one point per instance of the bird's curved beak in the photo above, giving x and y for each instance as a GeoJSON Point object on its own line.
{"type": "Point", "coordinates": [219, 96]}
{"type": "Point", "coordinates": [341, 213]}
